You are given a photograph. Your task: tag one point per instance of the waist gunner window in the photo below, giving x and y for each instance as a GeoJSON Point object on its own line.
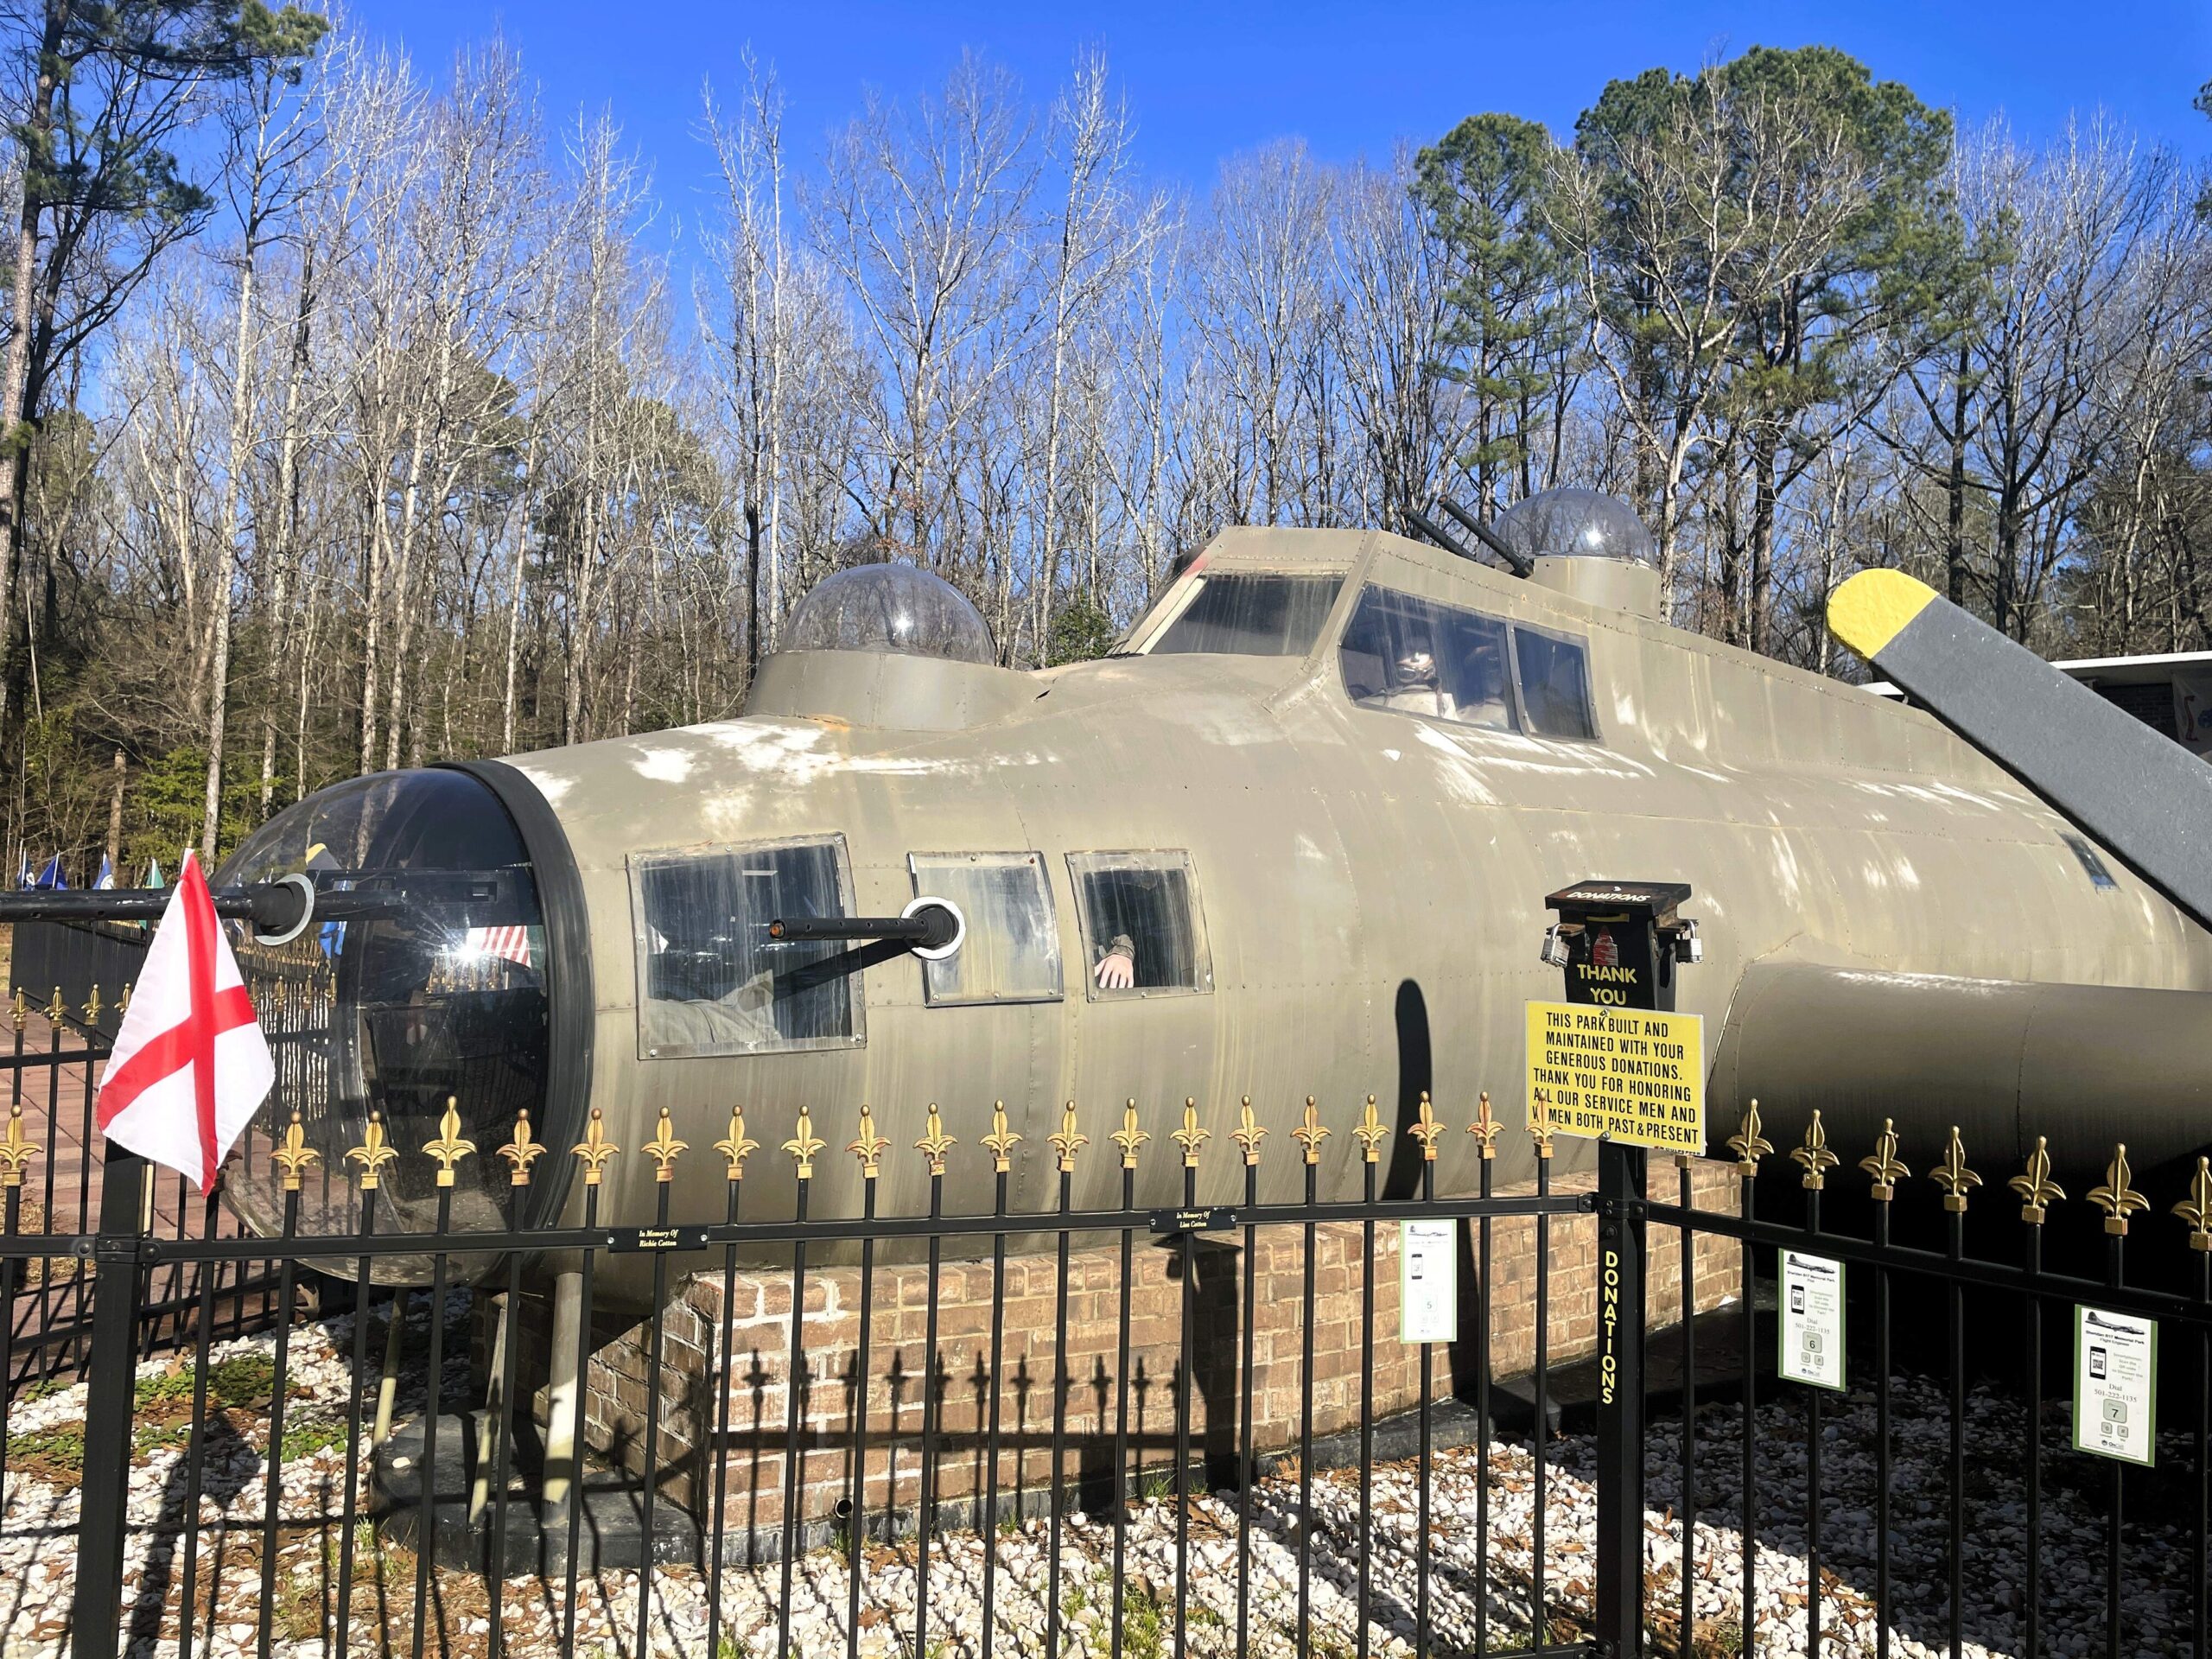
{"type": "Point", "coordinates": [709, 979]}
{"type": "Point", "coordinates": [1012, 949]}
{"type": "Point", "coordinates": [1142, 932]}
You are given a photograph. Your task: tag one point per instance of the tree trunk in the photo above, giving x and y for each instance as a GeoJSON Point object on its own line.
{"type": "Point", "coordinates": [115, 820]}
{"type": "Point", "coordinates": [15, 367]}
{"type": "Point", "coordinates": [1954, 491]}
{"type": "Point", "coordinates": [226, 556]}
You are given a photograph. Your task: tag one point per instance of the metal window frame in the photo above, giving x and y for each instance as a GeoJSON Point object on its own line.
{"type": "Point", "coordinates": [1564, 636]}
{"type": "Point", "coordinates": [1517, 712]}
{"type": "Point", "coordinates": [634, 865]}
{"type": "Point", "coordinates": [1142, 859]}
{"type": "Point", "coordinates": [1035, 860]}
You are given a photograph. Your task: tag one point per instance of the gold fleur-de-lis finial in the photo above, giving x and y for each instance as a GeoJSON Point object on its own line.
{"type": "Point", "coordinates": [16, 1149]}
{"type": "Point", "coordinates": [293, 1154]}
{"type": "Point", "coordinates": [664, 1148]}
{"type": "Point", "coordinates": [868, 1145]}
{"type": "Point", "coordinates": [737, 1145]}
{"type": "Point", "coordinates": [92, 1006]}
{"type": "Point", "coordinates": [1540, 1122]}
{"type": "Point", "coordinates": [522, 1152]}
{"type": "Point", "coordinates": [1311, 1132]}
{"type": "Point", "coordinates": [1426, 1129]}
{"type": "Point", "coordinates": [2037, 1190]}
{"type": "Point", "coordinates": [450, 1148]}
{"type": "Point", "coordinates": [20, 1012]}
{"type": "Point", "coordinates": [1190, 1137]}
{"type": "Point", "coordinates": [123, 1002]}
{"type": "Point", "coordinates": [595, 1149]}
{"type": "Point", "coordinates": [1748, 1144]}
{"type": "Point", "coordinates": [934, 1145]}
{"type": "Point", "coordinates": [1069, 1141]}
{"type": "Point", "coordinates": [1485, 1127]}
{"type": "Point", "coordinates": [1248, 1134]}
{"type": "Point", "coordinates": [2117, 1198]}
{"type": "Point", "coordinates": [804, 1144]}
{"type": "Point", "coordinates": [372, 1154]}
{"type": "Point", "coordinates": [1002, 1140]}
{"type": "Point", "coordinates": [1885, 1165]}
{"type": "Point", "coordinates": [56, 1010]}
{"type": "Point", "coordinates": [1952, 1175]}
{"type": "Point", "coordinates": [2196, 1208]}
{"type": "Point", "coordinates": [1814, 1157]}
{"type": "Point", "coordinates": [1128, 1137]}
{"type": "Point", "coordinates": [1370, 1132]}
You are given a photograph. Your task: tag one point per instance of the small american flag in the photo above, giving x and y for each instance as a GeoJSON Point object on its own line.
{"type": "Point", "coordinates": [508, 943]}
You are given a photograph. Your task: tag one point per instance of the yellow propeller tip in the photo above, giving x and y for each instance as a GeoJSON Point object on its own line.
{"type": "Point", "coordinates": [1873, 607]}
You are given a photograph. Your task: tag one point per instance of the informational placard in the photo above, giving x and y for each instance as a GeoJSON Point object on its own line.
{"type": "Point", "coordinates": [1428, 1282]}
{"type": "Point", "coordinates": [1811, 1290]}
{"type": "Point", "coordinates": [2115, 1385]}
{"type": "Point", "coordinates": [1635, 1076]}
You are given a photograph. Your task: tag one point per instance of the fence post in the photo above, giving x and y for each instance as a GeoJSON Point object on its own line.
{"type": "Point", "coordinates": [109, 1401]}
{"type": "Point", "coordinates": [1620, 1400]}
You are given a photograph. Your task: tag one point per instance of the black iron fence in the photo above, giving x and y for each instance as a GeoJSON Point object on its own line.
{"type": "Point", "coordinates": [365, 1477]}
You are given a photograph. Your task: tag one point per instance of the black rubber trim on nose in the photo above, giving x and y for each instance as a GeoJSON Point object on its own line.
{"type": "Point", "coordinates": [570, 1011]}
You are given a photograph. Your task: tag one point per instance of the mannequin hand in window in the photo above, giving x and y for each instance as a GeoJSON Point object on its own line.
{"type": "Point", "coordinates": [1117, 969]}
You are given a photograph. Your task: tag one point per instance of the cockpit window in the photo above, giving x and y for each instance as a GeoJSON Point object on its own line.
{"type": "Point", "coordinates": [1414, 656]}
{"type": "Point", "coordinates": [709, 979]}
{"type": "Point", "coordinates": [1554, 684]}
{"type": "Point", "coordinates": [1142, 933]}
{"type": "Point", "coordinates": [1011, 952]}
{"type": "Point", "coordinates": [1252, 614]}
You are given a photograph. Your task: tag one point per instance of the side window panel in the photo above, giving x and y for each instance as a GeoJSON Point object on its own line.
{"type": "Point", "coordinates": [1142, 932]}
{"type": "Point", "coordinates": [709, 979]}
{"type": "Point", "coordinates": [1413, 656]}
{"type": "Point", "coordinates": [1012, 950]}
{"type": "Point", "coordinates": [1253, 615]}
{"type": "Point", "coordinates": [1554, 685]}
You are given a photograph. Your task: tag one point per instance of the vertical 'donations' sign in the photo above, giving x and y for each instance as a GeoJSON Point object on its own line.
{"type": "Point", "coordinates": [1614, 1060]}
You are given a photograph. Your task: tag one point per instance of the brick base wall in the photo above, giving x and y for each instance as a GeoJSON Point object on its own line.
{"type": "Point", "coordinates": [622, 1373]}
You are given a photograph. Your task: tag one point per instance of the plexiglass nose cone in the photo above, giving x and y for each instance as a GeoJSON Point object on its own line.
{"type": "Point", "coordinates": [420, 979]}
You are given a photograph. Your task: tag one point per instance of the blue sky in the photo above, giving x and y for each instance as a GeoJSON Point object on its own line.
{"type": "Point", "coordinates": [1205, 80]}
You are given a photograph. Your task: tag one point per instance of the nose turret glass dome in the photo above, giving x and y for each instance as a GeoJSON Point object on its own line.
{"type": "Point", "coordinates": [1571, 523]}
{"type": "Point", "coordinates": [890, 608]}
{"type": "Point", "coordinates": [419, 978]}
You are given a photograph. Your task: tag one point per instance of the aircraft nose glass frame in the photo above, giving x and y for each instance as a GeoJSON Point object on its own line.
{"type": "Point", "coordinates": [433, 986]}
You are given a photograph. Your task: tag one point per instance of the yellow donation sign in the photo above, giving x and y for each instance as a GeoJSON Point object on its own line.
{"type": "Point", "coordinates": [1628, 1073]}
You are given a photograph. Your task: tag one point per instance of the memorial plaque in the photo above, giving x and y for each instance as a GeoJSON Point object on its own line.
{"type": "Point", "coordinates": [1811, 1326]}
{"type": "Point", "coordinates": [2115, 1385]}
{"type": "Point", "coordinates": [1428, 1282]}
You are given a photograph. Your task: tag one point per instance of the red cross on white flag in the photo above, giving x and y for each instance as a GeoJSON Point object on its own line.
{"type": "Point", "coordinates": [190, 1066]}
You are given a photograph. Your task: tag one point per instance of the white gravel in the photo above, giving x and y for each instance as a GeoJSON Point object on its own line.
{"type": "Point", "coordinates": [38, 1524]}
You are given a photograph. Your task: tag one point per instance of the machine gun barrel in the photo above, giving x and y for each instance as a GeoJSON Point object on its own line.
{"type": "Point", "coordinates": [272, 906]}
{"type": "Point", "coordinates": [930, 928]}
{"type": "Point", "coordinates": [1520, 563]}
